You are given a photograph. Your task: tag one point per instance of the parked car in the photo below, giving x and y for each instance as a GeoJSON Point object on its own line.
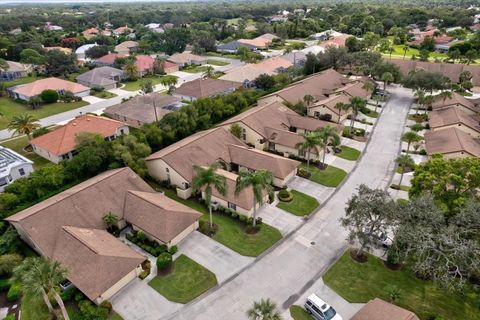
{"type": "Point", "coordinates": [319, 309]}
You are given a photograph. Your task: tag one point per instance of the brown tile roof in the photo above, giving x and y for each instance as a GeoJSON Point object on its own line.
{"type": "Point", "coordinates": [244, 199]}
{"type": "Point", "coordinates": [185, 58]}
{"type": "Point", "coordinates": [332, 101]}
{"type": "Point", "coordinates": [251, 71]}
{"type": "Point", "coordinates": [456, 98]}
{"type": "Point", "coordinates": [208, 87]}
{"type": "Point", "coordinates": [18, 67]}
{"type": "Point", "coordinates": [110, 58]}
{"type": "Point", "coordinates": [144, 63]}
{"type": "Point", "coordinates": [62, 140]}
{"type": "Point", "coordinates": [158, 215]}
{"type": "Point", "coordinates": [451, 140]}
{"type": "Point", "coordinates": [378, 309]}
{"type": "Point", "coordinates": [257, 42]}
{"type": "Point", "coordinates": [283, 137]}
{"type": "Point", "coordinates": [140, 107]}
{"type": "Point", "coordinates": [36, 87]}
{"type": "Point", "coordinates": [354, 89]}
{"type": "Point", "coordinates": [452, 116]}
{"type": "Point", "coordinates": [126, 45]}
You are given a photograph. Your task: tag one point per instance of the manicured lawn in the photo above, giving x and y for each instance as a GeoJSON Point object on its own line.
{"type": "Point", "coordinates": [298, 313]}
{"type": "Point", "coordinates": [187, 281]}
{"type": "Point", "coordinates": [104, 94]}
{"type": "Point", "coordinates": [115, 316]}
{"type": "Point", "coordinates": [370, 113]}
{"type": "Point", "coordinates": [136, 85]}
{"type": "Point", "coordinates": [18, 144]}
{"type": "Point", "coordinates": [33, 308]}
{"type": "Point", "coordinates": [18, 81]}
{"type": "Point", "coordinates": [214, 62]}
{"type": "Point", "coordinates": [172, 194]}
{"type": "Point", "coordinates": [10, 108]}
{"type": "Point", "coordinates": [330, 177]}
{"type": "Point", "coordinates": [361, 282]}
{"type": "Point", "coordinates": [349, 153]}
{"type": "Point", "coordinates": [194, 69]}
{"type": "Point", "coordinates": [301, 205]}
{"type": "Point", "coordinates": [231, 233]}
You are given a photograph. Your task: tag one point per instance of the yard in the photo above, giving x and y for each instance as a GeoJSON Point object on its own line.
{"type": "Point", "coordinates": [301, 204]}
{"type": "Point", "coordinates": [348, 153]}
{"type": "Point", "coordinates": [18, 81]}
{"type": "Point", "coordinates": [298, 313]}
{"type": "Point", "coordinates": [214, 62]}
{"type": "Point", "coordinates": [187, 281]}
{"type": "Point", "coordinates": [10, 108]}
{"type": "Point", "coordinates": [137, 84]}
{"type": "Point", "coordinates": [103, 94]}
{"type": "Point", "coordinates": [18, 144]}
{"type": "Point", "coordinates": [330, 177]}
{"type": "Point", "coordinates": [194, 69]}
{"type": "Point", "coordinates": [361, 282]}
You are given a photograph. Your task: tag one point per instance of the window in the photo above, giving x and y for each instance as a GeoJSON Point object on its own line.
{"type": "Point", "coordinates": [186, 185]}
{"type": "Point", "coordinates": [244, 134]}
{"type": "Point", "coordinates": [21, 171]}
{"type": "Point", "coordinates": [301, 153]}
{"type": "Point", "coordinates": [167, 170]}
{"type": "Point", "coordinates": [3, 181]}
{"type": "Point", "coordinates": [122, 131]}
{"type": "Point", "coordinates": [232, 206]}
{"type": "Point", "coordinates": [316, 114]}
{"type": "Point", "coordinates": [315, 308]}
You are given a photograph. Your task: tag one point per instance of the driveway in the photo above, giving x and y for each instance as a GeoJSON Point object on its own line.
{"type": "Point", "coordinates": [288, 271]}
{"type": "Point", "coordinates": [319, 192]}
{"type": "Point", "coordinates": [284, 221]}
{"type": "Point", "coordinates": [92, 99]}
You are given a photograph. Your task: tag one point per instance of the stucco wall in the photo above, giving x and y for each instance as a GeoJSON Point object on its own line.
{"type": "Point", "coordinates": [324, 110]}
{"type": "Point", "coordinates": [239, 209]}
{"type": "Point", "coordinates": [119, 285]}
{"type": "Point", "coordinates": [157, 169]}
{"type": "Point", "coordinates": [46, 154]}
{"type": "Point", "coordinates": [183, 234]}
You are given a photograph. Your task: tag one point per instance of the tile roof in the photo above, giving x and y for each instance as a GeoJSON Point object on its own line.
{"type": "Point", "coordinates": [456, 98]}
{"type": "Point", "coordinates": [244, 199]}
{"type": "Point", "coordinates": [251, 71]}
{"type": "Point", "coordinates": [207, 87]}
{"type": "Point", "coordinates": [17, 66]}
{"type": "Point", "coordinates": [331, 101]}
{"type": "Point", "coordinates": [354, 89]}
{"type": "Point", "coordinates": [126, 45]}
{"type": "Point", "coordinates": [62, 140]}
{"type": "Point", "coordinates": [35, 88]}
{"type": "Point", "coordinates": [101, 76]}
{"type": "Point", "coordinates": [452, 116]}
{"type": "Point", "coordinates": [144, 62]}
{"type": "Point", "coordinates": [283, 137]}
{"type": "Point", "coordinates": [378, 309]}
{"type": "Point", "coordinates": [110, 58]}
{"type": "Point", "coordinates": [185, 58]}
{"type": "Point", "coordinates": [451, 140]}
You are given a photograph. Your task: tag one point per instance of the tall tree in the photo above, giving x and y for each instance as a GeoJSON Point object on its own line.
{"type": "Point", "coordinates": [356, 104]}
{"type": "Point", "coordinates": [327, 135]}
{"type": "Point", "coordinates": [23, 124]}
{"type": "Point", "coordinates": [308, 99]}
{"type": "Point", "coordinates": [340, 106]}
{"type": "Point", "coordinates": [410, 137]}
{"type": "Point", "coordinates": [311, 143]}
{"type": "Point", "coordinates": [264, 310]}
{"type": "Point", "coordinates": [131, 69]}
{"type": "Point", "coordinates": [404, 161]}
{"type": "Point", "coordinates": [131, 152]}
{"type": "Point", "coordinates": [387, 78]}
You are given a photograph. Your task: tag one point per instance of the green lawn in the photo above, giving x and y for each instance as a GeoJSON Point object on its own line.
{"type": "Point", "coordinates": [349, 153]}
{"type": "Point", "coordinates": [18, 81]}
{"type": "Point", "coordinates": [214, 62]}
{"type": "Point", "coordinates": [115, 316]}
{"type": "Point", "coordinates": [10, 108]}
{"type": "Point", "coordinates": [18, 144]}
{"type": "Point", "coordinates": [172, 194]}
{"type": "Point", "coordinates": [194, 69]}
{"type": "Point", "coordinates": [104, 94]}
{"type": "Point", "coordinates": [33, 308]}
{"type": "Point", "coordinates": [187, 281]}
{"type": "Point", "coordinates": [298, 313]}
{"type": "Point", "coordinates": [301, 205]}
{"type": "Point", "coordinates": [330, 177]}
{"type": "Point", "coordinates": [361, 282]}
{"type": "Point", "coordinates": [370, 113]}
{"type": "Point", "coordinates": [136, 85]}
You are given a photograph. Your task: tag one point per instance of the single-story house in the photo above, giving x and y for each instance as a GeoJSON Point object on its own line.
{"type": "Point", "coordinates": [186, 58]}
{"type": "Point", "coordinates": [13, 166]}
{"type": "Point", "coordinates": [15, 70]}
{"type": "Point", "coordinates": [354, 89]}
{"type": "Point", "coordinates": [102, 78]}
{"type": "Point", "coordinates": [108, 59]}
{"type": "Point", "coordinates": [69, 228]}
{"type": "Point", "coordinates": [80, 52]}
{"type": "Point", "coordinates": [29, 90]}
{"type": "Point", "coordinates": [232, 46]}
{"type": "Point", "coordinates": [457, 101]}
{"type": "Point", "coordinates": [169, 67]}
{"type": "Point", "coordinates": [325, 35]}
{"type": "Point", "coordinates": [122, 30]}
{"type": "Point", "coordinates": [126, 47]}
{"type": "Point", "coordinates": [452, 143]}
{"type": "Point", "coordinates": [140, 110]}
{"type": "Point", "coordinates": [145, 64]}
{"type": "Point", "coordinates": [377, 309]}
{"type": "Point", "coordinates": [260, 42]}
{"type": "Point", "coordinates": [315, 49]}
{"type": "Point", "coordinates": [90, 33]}
{"type": "Point", "coordinates": [59, 144]}
{"type": "Point", "coordinates": [453, 117]}
{"type": "Point", "coordinates": [326, 108]}
{"type": "Point", "coordinates": [202, 88]}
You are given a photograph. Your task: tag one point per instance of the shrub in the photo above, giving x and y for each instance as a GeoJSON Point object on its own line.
{"type": "Point", "coordinates": [40, 132]}
{"type": "Point", "coordinates": [14, 292]}
{"type": "Point", "coordinates": [206, 229]}
{"type": "Point", "coordinates": [79, 296]}
{"type": "Point", "coordinates": [250, 220]}
{"type": "Point", "coordinates": [8, 201]}
{"type": "Point", "coordinates": [346, 132]}
{"type": "Point", "coordinates": [49, 96]}
{"type": "Point", "coordinates": [4, 284]}
{"type": "Point", "coordinates": [234, 214]}
{"type": "Point", "coordinates": [259, 220]}
{"type": "Point", "coordinates": [423, 152]}
{"type": "Point", "coordinates": [285, 195]}
{"type": "Point", "coordinates": [242, 218]}
{"type": "Point", "coordinates": [303, 173]}
{"type": "Point", "coordinates": [91, 311]}
{"type": "Point", "coordinates": [68, 294]}
{"type": "Point", "coordinates": [144, 274]}
{"type": "Point", "coordinates": [107, 305]}
{"type": "Point", "coordinates": [393, 257]}
{"type": "Point", "coordinates": [164, 261]}
{"type": "Point", "coordinates": [162, 248]}
{"type": "Point", "coordinates": [68, 96]}
{"type": "Point", "coordinates": [173, 250]}
{"type": "Point", "coordinates": [141, 235]}
{"type": "Point", "coordinates": [10, 317]}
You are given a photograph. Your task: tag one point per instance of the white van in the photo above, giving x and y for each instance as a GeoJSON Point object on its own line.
{"type": "Point", "coordinates": [319, 309]}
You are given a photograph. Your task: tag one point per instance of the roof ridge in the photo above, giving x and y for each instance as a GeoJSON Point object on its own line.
{"type": "Point", "coordinates": [68, 229]}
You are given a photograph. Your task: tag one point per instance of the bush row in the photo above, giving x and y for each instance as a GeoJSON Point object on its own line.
{"type": "Point", "coordinates": [151, 246]}
{"type": "Point", "coordinates": [234, 214]}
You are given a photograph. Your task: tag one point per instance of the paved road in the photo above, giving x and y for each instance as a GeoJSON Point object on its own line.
{"type": "Point", "coordinates": [292, 268]}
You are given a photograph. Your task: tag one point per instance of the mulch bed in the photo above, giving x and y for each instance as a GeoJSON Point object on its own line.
{"type": "Point", "coordinates": [392, 266]}
{"type": "Point", "coordinates": [362, 258]}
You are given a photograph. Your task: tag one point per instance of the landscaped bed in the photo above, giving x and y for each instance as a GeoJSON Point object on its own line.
{"type": "Point", "coordinates": [361, 282]}
{"type": "Point", "coordinates": [300, 205]}
{"type": "Point", "coordinates": [329, 177]}
{"type": "Point", "coordinates": [103, 94]}
{"type": "Point", "coordinates": [185, 282]}
{"type": "Point", "coordinates": [194, 69]}
{"type": "Point", "coordinates": [298, 313]}
{"type": "Point", "coordinates": [348, 153]}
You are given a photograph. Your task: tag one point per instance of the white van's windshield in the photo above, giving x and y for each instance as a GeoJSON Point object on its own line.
{"type": "Point", "coordinates": [330, 313]}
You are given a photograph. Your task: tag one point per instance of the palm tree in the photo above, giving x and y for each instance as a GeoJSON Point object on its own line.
{"type": "Point", "coordinates": [404, 161]}
{"type": "Point", "coordinates": [405, 50]}
{"type": "Point", "coordinates": [308, 99]}
{"type": "Point", "coordinates": [410, 137]}
{"type": "Point", "coordinates": [264, 310]}
{"type": "Point", "coordinates": [169, 81]}
{"type": "Point", "coordinates": [369, 87]}
{"type": "Point", "coordinates": [208, 178]}
{"type": "Point", "coordinates": [445, 94]}
{"type": "Point", "coordinates": [23, 124]}
{"type": "Point", "coordinates": [387, 77]}
{"type": "Point", "coordinates": [420, 95]}
{"type": "Point", "coordinates": [260, 181]}
{"type": "Point", "coordinates": [41, 276]}
{"type": "Point", "coordinates": [356, 104]}
{"type": "Point", "coordinates": [311, 142]}
{"type": "Point", "coordinates": [131, 69]}
{"type": "Point", "coordinates": [110, 220]}
{"type": "Point", "coordinates": [341, 106]}
{"type": "Point", "coordinates": [377, 99]}
{"type": "Point", "coordinates": [209, 72]}
{"type": "Point", "coordinates": [327, 135]}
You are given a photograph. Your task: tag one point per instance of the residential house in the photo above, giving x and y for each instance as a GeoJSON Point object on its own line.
{"type": "Point", "coordinates": [122, 30]}
{"type": "Point", "coordinates": [145, 64]}
{"type": "Point", "coordinates": [169, 67]}
{"type": "Point", "coordinates": [126, 47]}
{"type": "Point", "coordinates": [90, 33]}
{"type": "Point", "coordinates": [315, 50]}
{"type": "Point", "coordinates": [108, 59]}
{"type": "Point", "coordinates": [32, 89]}
{"type": "Point", "coordinates": [326, 109]}
{"type": "Point", "coordinates": [453, 117]}
{"type": "Point", "coordinates": [458, 101]}
{"type": "Point", "coordinates": [186, 58]}
{"type": "Point", "coordinates": [336, 41]}
{"type": "Point", "coordinates": [80, 52]}
{"type": "Point", "coordinates": [377, 309]}
{"type": "Point", "coordinates": [13, 166]}
{"type": "Point", "coordinates": [201, 88]}
{"type": "Point", "coordinates": [296, 58]}
{"type": "Point", "coordinates": [59, 144]}
{"type": "Point", "coordinates": [327, 34]}
{"type": "Point", "coordinates": [452, 143]}
{"type": "Point", "coordinates": [102, 78]}
{"type": "Point", "coordinates": [52, 27]}
{"type": "Point", "coordinates": [260, 42]}
{"type": "Point", "coordinates": [15, 70]}
{"type": "Point", "coordinates": [174, 164]}
{"type": "Point", "coordinates": [140, 110]}
{"type": "Point", "coordinates": [155, 27]}
{"type": "Point", "coordinates": [69, 228]}
{"type": "Point", "coordinates": [232, 46]}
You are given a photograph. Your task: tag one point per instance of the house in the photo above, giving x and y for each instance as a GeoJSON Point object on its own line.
{"type": "Point", "coordinates": [122, 30]}
{"type": "Point", "coordinates": [377, 309]}
{"type": "Point", "coordinates": [80, 52]}
{"type": "Point", "coordinates": [260, 42]}
{"type": "Point", "coordinates": [90, 33]}
{"type": "Point", "coordinates": [174, 164]}
{"type": "Point", "coordinates": [452, 143]}
{"type": "Point", "coordinates": [32, 89]}
{"type": "Point", "coordinates": [102, 78]}
{"type": "Point", "coordinates": [52, 27]}
{"type": "Point", "coordinates": [276, 127]}
{"type": "Point", "coordinates": [315, 50]}
{"type": "Point", "coordinates": [354, 89]}
{"type": "Point", "coordinates": [325, 109]}
{"type": "Point", "coordinates": [13, 166]}
{"type": "Point", "coordinates": [186, 58]}
{"type": "Point", "coordinates": [140, 110]}
{"type": "Point", "coordinates": [69, 228]}
{"type": "Point", "coordinates": [155, 27]}
{"type": "Point", "coordinates": [108, 59]}
{"type": "Point", "coordinates": [457, 101]}
{"type": "Point", "coordinates": [59, 144]}
{"type": "Point", "coordinates": [336, 42]}
{"type": "Point", "coordinates": [232, 46]}
{"type": "Point", "coordinates": [15, 70]}
{"type": "Point", "coordinates": [327, 34]}
{"type": "Point", "coordinates": [145, 64]}
{"type": "Point", "coordinates": [201, 88]}
{"type": "Point", "coordinates": [169, 67]}
{"type": "Point", "coordinates": [126, 47]}
{"type": "Point", "coordinates": [453, 117]}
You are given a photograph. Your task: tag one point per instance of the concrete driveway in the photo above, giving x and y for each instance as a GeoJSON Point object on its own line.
{"type": "Point", "coordinates": [319, 192]}
{"type": "Point", "coordinates": [284, 221]}
{"type": "Point", "coordinates": [92, 99]}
